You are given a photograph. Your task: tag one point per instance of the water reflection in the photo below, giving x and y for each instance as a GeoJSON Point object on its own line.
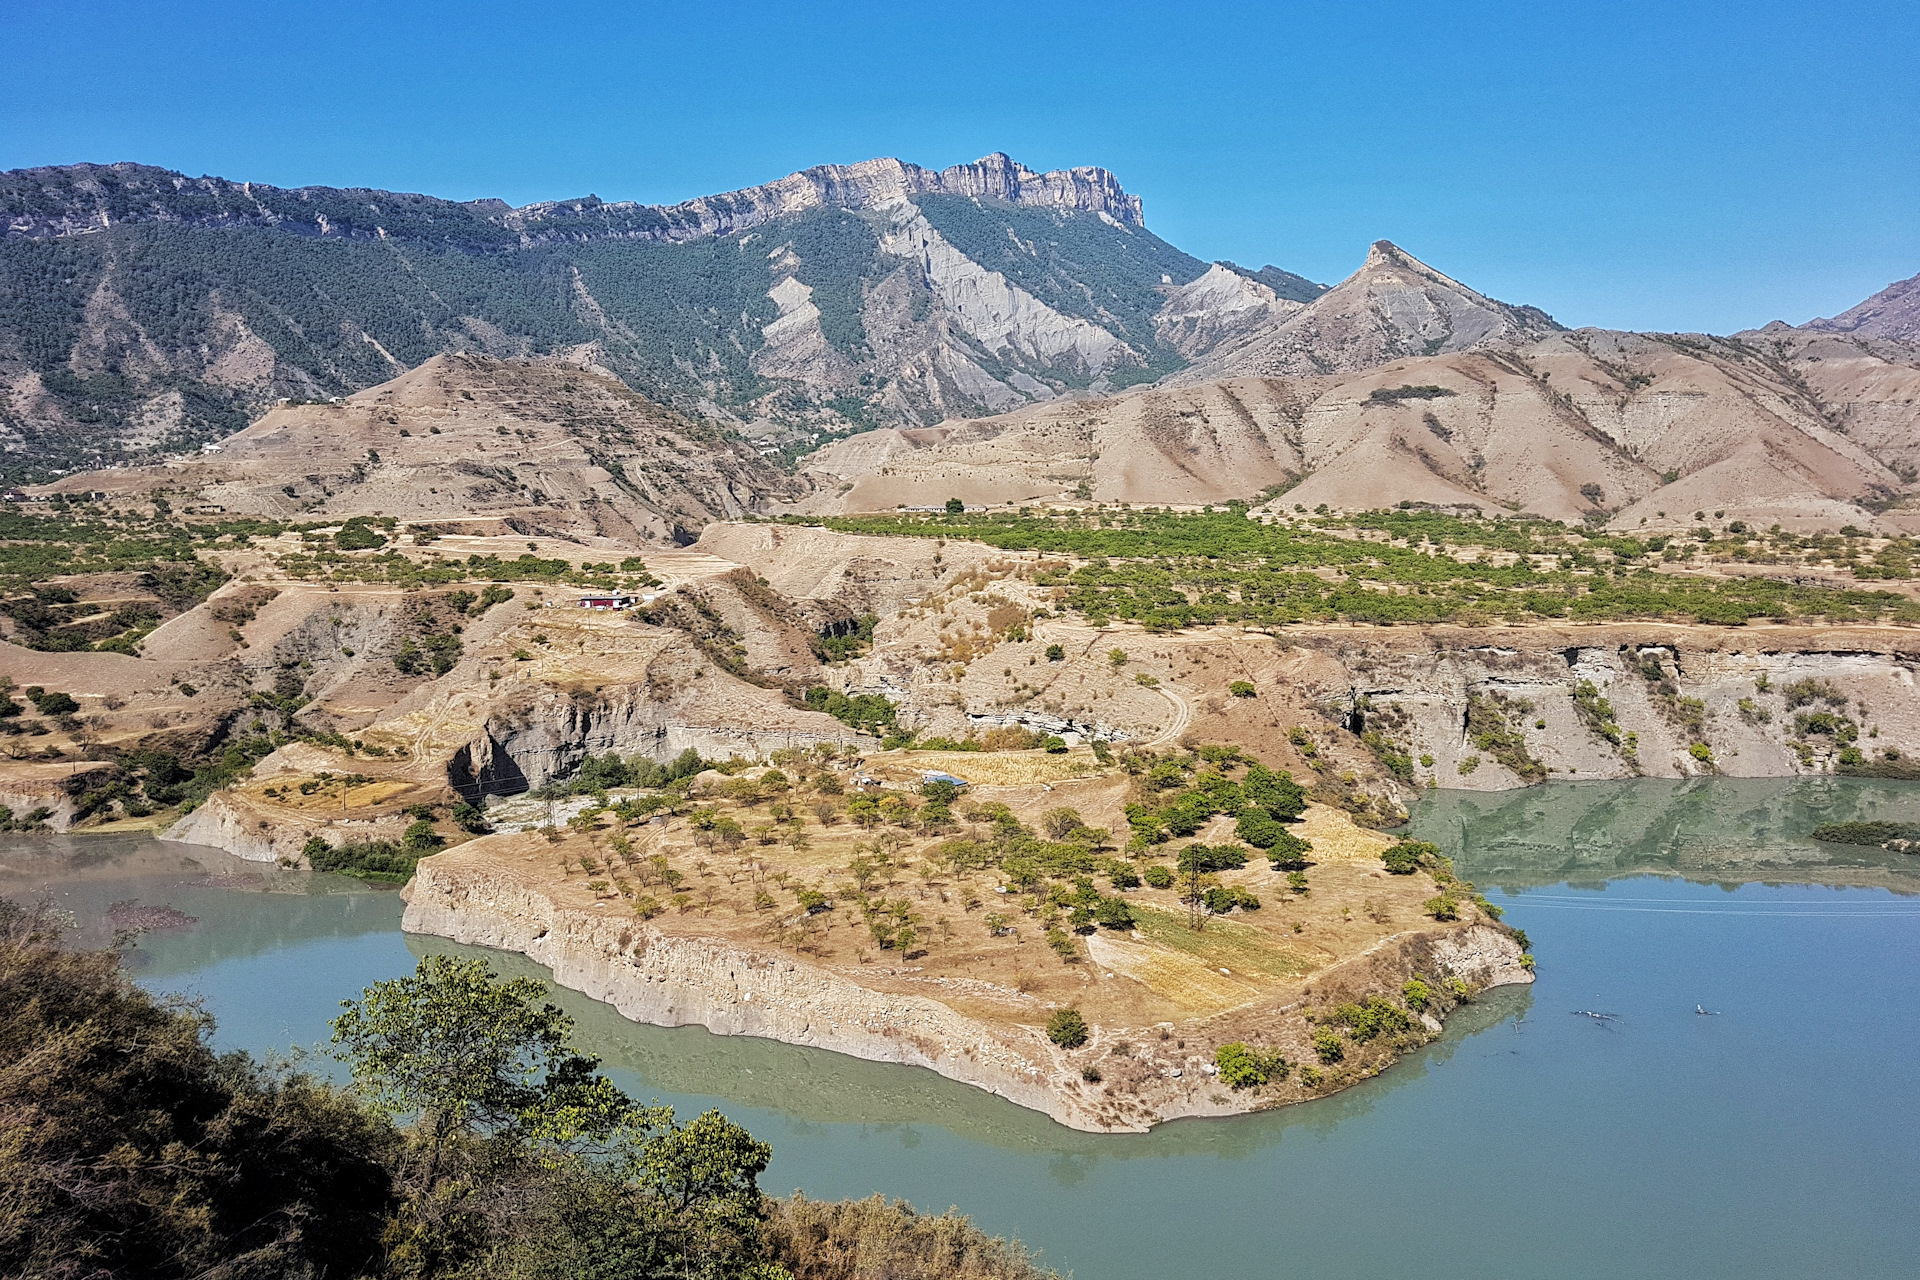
{"type": "Point", "coordinates": [1725, 831]}
{"type": "Point", "coordinates": [236, 908]}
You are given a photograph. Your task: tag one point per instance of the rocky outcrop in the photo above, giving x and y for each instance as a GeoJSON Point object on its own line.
{"type": "Point", "coordinates": [545, 735]}
{"type": "Point", "coordinates": [1507, 707]}
{"type": "Point", "coordinates": [1894, 312]}
{"type": "Point", "coordinates": [1393, 307]}
{"type": "Point", "coordinates": [865, 186]}
{"type": "Point", "coordinates": [49, 790]}
{"type": "Point", "coordinates": [67, 200]}
{"type": "Point", "coordinates": [229, 821]}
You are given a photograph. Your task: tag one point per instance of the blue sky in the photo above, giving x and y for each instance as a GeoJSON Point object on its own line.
{"type": "Point", "coordinates": [1655, 166]}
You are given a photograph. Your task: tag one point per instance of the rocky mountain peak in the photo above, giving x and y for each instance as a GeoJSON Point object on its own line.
{"type": "Point", "coordinates": [862, 187]}
{"type": "Point", "coordinates": [1894, 312]}
{"type": "Point", "coordinates": [1394, 306]}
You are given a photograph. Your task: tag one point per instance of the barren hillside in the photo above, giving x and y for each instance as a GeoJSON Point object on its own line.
{"type": "Point", "coordinates": [474, 444]}
{"type": "Point", "coordinates": [1809, 430]}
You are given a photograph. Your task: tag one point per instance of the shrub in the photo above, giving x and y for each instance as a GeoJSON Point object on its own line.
{"type": "Point", "coordinates": [1442, 907]}
{"type": "Point", "coordinates": [1289, 852]}
{"type": "Point", "coordinates": [1243, 1067]}
{"type": "Point", "coordinates": [1091, 1074]}
{"type": "Point", "coordinates": [1221, 899]}
{"type": "Point", "coordinates": [1159, 877]}
{"type": "Point", "coordinates": [1409, 856]}
{"type": "Point", "coordinates": [1328, 1046]}
{"type": "Point", "coordinates": [1067, 1028]}
{"type": "Point", "coordinates": [470, 818]}
{"type": "Point", "coordinates": [1056, 653]}
{"type": "Point", "coordinates": [1242, 689]}
{"type": "Point", "coordinates": [1701, 751]}
{"type": "Point", "coordinates": [1416, 993]}
{"type": "Point", "coordinates": [1062, 943]}
{"type": "Point", "coordinates": [1114, 913]}
{"type": "Point", "coordinates": [1258, 828]}
{"type": "Point", "coordinates": [420, 837]}
{"type": "Point", "coordinates": [1274, 791]}
{"type": "Point", "coordinates": [1054, 744]}
{"type": "Point", "coordinates": [1376, 1016]}
{"type": "Point", "coordinates": [1297, 881]}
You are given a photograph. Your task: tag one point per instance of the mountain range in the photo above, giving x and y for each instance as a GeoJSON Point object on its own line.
{"type": "Point", "coordinates": [143, 310]}
{"type": "Point", "coordinates": [908, 335]}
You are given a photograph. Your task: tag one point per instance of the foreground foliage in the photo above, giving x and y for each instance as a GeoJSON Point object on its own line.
{"type": "Point", "coordinates": [476, 1143]}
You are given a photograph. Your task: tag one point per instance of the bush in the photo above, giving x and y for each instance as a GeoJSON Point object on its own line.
{"type": "Point", "coordinates": [1258, 828]}
{"type": "Point", "coordinates": [1328, 1046]}
{"type": "Point", "coordinates": [1376, 1016]}
{"type": "Point", "coordinates": [421, 838]}
{"type": "Point", "coordinates": [1442, 907]}
{"type": "Point", "coordinates": [1289, 852]}
{"type": "Point", "coordinates": [1416, 993]}
{"type": "Point", "coordinates": [1158, 877]}
{"type": "Point", "coordinates": [1067, 1028]}
{"type": "Point", "coordinates": [1242, 689]}
{"type": "Point", "coordinates": [1063, 946]}
{"type": "Point", "coordinates": [1409, 856]}
{"type": "Point", "coordinates": [470, 818]}
{"type": "Point", "coordinates": [1114, 913]}
{"type": "Point", "coordinates": [1243, 1067]}
{"type": "Point", "coordinates": [1054, 744]}
{"type": "Point", "coordinates": [1221, 899]}
{"type": "Point", "coordinates": [381, 861]}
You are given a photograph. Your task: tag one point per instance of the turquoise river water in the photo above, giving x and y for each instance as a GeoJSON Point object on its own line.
{"type": "Point", "coordinates": [1778, 1137]}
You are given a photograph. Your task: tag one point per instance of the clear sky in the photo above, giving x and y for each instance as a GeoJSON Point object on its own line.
{"type": "Point", "coordinates": [1671, 165]}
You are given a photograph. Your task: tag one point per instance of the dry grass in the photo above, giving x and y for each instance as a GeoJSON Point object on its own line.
{"type": "Point", "coordinates": [873, 1239]}
{"type": "Point", "coordinates": [988, 768]}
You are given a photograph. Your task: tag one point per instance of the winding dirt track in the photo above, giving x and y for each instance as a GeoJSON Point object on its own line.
{"type": "Point", "coordinates": [1182, 717]}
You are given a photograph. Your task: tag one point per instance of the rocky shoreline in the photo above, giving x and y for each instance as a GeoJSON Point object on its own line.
{"type": "Point", "coordinates": [652, 976]}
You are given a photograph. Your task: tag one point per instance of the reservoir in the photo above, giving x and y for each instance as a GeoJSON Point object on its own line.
{"type": "Point", "coordinates": [1745, 1107]}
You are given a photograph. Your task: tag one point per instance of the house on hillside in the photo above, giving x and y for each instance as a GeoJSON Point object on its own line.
{"type": "Point", "coordinates": [615, 600]}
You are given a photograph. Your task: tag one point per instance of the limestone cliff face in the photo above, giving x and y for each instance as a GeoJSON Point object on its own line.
{"type": "Point", "coordinates": [865, 186]}
{"type": "Point", "coordinates": [28, 787]}
{"type": "Point", "coordinates": [1509, 707]}
{"type": "Point", "coordinates": [731, 990]}
{"type": "Point", "coordinates": [543, 736]}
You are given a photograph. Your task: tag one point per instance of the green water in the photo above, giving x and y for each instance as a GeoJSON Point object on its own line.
{"type": "Point", "coordinates": [1778, 1137]}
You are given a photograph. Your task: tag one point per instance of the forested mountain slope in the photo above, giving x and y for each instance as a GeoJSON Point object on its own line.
{"type": "Point", "coordinates": [143, 311]}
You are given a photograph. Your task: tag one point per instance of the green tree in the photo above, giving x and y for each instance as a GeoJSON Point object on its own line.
{"type": "Point", "coordinates": [1408, 856]}
{"type": "Point", "coordinates": [1275, 791]}
{"type": "Point", "coordinates": [1067, 1028]}
{"type": "Point", "coordinates": [420, 837]}
{"type": "Point", "coordinates": [466, 1054]}
{"type": "Point", "coordinates": [955, 506]}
